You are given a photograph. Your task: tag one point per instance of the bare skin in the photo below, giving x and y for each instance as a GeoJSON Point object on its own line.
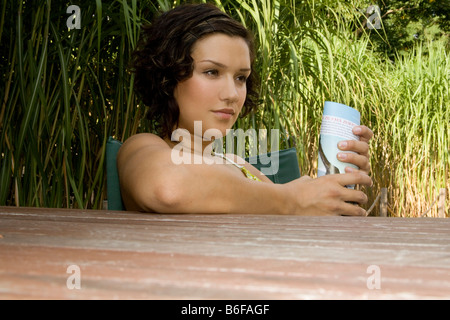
{"type": "Point", "coordinates": [152, 182]}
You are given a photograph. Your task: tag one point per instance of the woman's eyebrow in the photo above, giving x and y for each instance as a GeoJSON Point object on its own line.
{"type": "Point", "coordinates": [221, 65]}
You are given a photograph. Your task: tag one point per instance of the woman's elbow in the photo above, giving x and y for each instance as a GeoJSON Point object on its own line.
{"type": "Point", "coordinates": [161, 197]}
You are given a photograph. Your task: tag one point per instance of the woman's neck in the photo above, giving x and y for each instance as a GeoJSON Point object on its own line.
{"type": "Point", "coordinates": [193, 144]}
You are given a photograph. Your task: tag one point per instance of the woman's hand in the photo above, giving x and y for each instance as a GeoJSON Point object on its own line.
{"type": "Point", "coordinates": [328, 195]}
{"type": "Point", "coordinates": [361, 158]}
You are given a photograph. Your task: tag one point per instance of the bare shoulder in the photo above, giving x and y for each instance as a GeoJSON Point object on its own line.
{"type": "Point", "coordinates": [141, 140]}
{"type": "Point", "coordinates": [140, 160]}
{"type": "Point", "coordinates": [141, 149]}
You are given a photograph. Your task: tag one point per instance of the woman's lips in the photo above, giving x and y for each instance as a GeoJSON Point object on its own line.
{"type": "Point", "coordinates": [224, 113]}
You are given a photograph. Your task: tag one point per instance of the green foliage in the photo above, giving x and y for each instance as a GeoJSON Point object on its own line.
{"type": "Point", "coordinates": [65, 91]}
{"type": "Point", "coordinates": [407, 23]}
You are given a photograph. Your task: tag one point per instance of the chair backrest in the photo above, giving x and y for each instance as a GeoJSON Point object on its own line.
{"type": "Point", "coordinates": [285, 170]}
{"type": "Point", "coordinates": [112, 176]}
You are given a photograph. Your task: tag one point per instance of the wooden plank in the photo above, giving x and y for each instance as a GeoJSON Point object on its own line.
{"type": "Point", "coordinates": [112, 274]}
{"type": "Point", "coordinates": [133, 255]}
{"type": "Point", "coordinates": [370, 239]}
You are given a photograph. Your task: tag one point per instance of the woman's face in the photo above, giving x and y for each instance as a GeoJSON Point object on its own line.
{"type": "Point", "coordinates": [217, 89]}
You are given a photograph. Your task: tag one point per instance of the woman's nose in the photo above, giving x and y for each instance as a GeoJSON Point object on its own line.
{"type": "Point", "coordinates": [229, 90]}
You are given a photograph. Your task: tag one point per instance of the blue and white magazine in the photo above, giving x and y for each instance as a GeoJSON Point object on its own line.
{"type": "Point", "coordinates": [338, 121]}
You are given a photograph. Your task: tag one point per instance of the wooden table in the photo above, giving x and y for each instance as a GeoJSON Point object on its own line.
{"type": "Point", "coordinates": [86, 254]}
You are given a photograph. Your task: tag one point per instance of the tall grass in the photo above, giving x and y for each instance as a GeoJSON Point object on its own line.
{"type": "Point", "coordinates": [65, 91]}
{"type": "Point", "coordinates": [420, 128]}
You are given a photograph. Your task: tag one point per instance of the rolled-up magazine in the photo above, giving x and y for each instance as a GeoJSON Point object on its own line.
{"type": "Point", "coordinates": [338, 121]}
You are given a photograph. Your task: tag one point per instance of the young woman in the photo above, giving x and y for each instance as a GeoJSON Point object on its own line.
{"type": "Point", "coordinates": [194, 69]}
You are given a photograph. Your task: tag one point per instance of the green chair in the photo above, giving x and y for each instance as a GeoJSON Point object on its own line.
{"type": "Point", "coordinates": [286, 170]}
{"type": "Point", "coordinates": [112, 176]}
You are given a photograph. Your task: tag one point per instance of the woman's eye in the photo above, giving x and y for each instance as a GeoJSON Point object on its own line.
{"type": "Point", "coordinates": [242, 79]}
{"type": "Point", "coordinates": [211, 73]}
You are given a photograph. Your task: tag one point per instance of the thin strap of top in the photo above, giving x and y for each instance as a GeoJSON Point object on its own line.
{"type": "Point", "coordinates": [247, 173]}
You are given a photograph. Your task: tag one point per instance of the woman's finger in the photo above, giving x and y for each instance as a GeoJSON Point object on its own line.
{"type": "Point", "coordinates": [363, 132]}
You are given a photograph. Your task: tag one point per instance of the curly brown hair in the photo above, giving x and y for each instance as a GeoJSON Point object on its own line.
{"type": "Point", "coordinates": [162, 59]}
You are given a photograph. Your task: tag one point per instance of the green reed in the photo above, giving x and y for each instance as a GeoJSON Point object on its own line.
{"type": "Point", "coordinates": [65, 92]}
